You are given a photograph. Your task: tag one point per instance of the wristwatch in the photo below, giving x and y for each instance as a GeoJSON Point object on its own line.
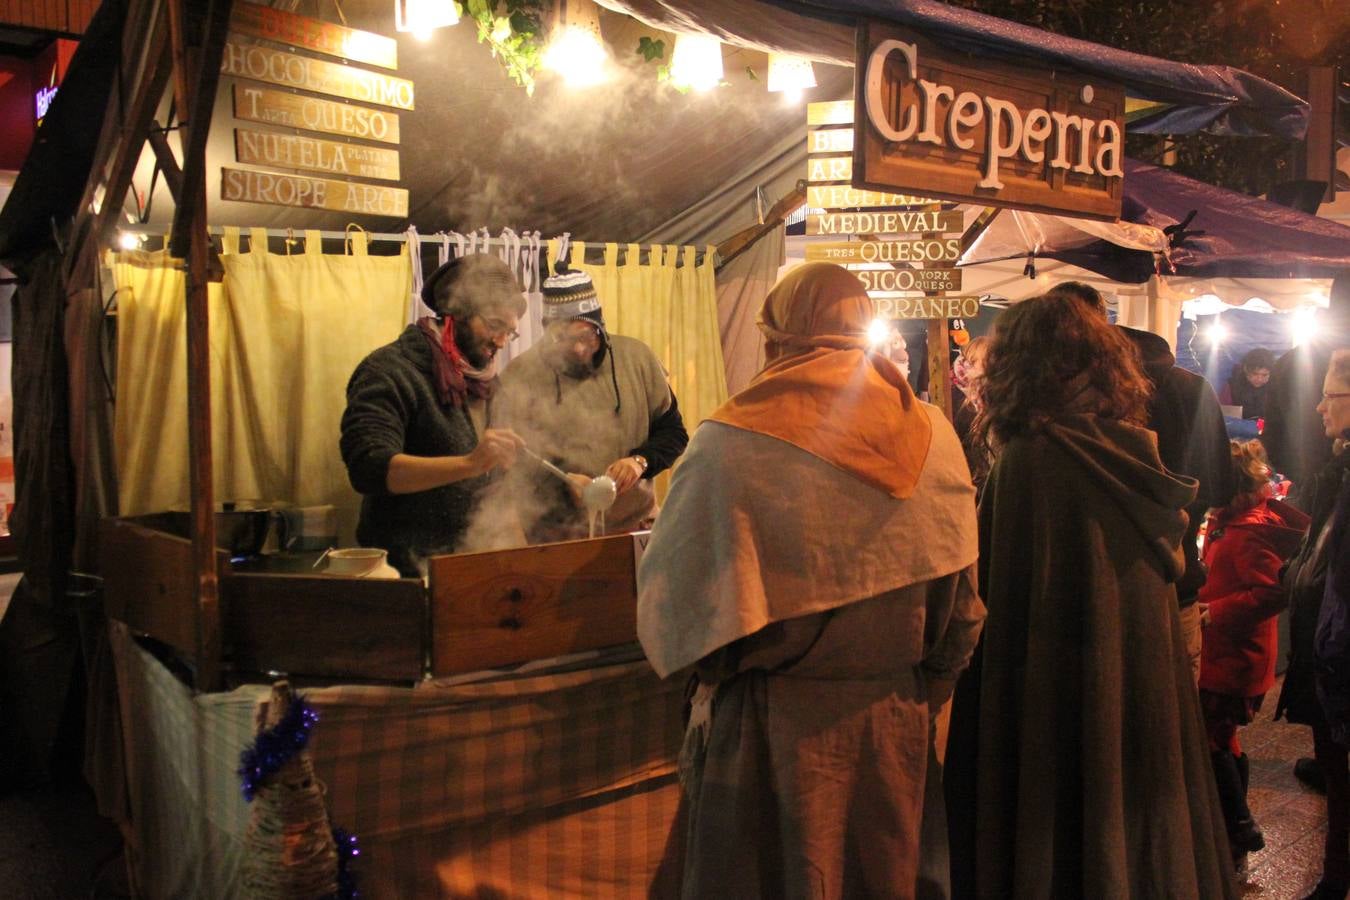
{"type": "Point", "coordinates": [641, 461]}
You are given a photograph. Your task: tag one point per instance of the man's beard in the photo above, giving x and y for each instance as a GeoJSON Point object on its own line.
{"type": "Point", "coordinates": [574, 368]}
{"type": "Point", "coordinates": [479, 353]}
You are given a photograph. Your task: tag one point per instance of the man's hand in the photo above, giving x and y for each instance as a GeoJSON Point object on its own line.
{"type": "Point", "coordinates": [497, 448]}
{"type": "Point", "coordinates": [626, 472]}
{"type": "Point", "coordinates": [577, 482]}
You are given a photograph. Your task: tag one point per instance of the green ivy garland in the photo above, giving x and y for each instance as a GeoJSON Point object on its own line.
{"type": "Point", "coordinates": [514, 32]}
{"type": "Point", "coordinates": [515, 35]}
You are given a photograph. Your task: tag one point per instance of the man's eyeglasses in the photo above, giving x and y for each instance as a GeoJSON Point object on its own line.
{"type": "Point", "coordinates": [570, 338]}
{"type": "Point", "coordinates": [498, 328]}
{"type": "Point", "coordinates": [1338, 395]}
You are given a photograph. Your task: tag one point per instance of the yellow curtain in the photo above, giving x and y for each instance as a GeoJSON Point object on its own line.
{"type": "Point", "coordinates": [286, 333]}
{"type": "Point", "coordinates": [670, 304]}
{"type": "Point", "coordinates": [150, 426]}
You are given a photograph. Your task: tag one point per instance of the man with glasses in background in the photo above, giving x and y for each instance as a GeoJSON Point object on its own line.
{"type": "Point", "coordinates": [414, 436]}
{"type": "Point", "coordinates": [592, 403]}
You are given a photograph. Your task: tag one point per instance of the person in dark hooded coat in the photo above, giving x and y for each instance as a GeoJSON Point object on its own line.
{"type": "Point", "coordinates": [1184, 412]}
{"type": "Point", "coordinates": [1077, 763]}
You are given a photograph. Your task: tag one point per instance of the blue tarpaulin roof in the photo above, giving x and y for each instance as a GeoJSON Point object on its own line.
{"type": "Point", "coordinates": [1231, 235]}
{"type": "Point", "coordinates": [1218, 99]}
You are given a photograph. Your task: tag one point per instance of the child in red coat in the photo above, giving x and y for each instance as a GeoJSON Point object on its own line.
{"type": "Point", "coordinates": [1246, 544]}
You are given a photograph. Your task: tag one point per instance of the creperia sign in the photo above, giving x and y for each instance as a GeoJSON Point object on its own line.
{"type": "Point", "coordinates": [932, 122]}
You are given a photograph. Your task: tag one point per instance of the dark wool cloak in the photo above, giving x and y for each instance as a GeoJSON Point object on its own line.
{"type": "Point", "coordinates": [1077, 764]}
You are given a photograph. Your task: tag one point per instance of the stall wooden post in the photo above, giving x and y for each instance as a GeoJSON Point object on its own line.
{"type": "Point", "coordinates": [1319, 147]}
{"type": "Point", "coordinates": [196, 69]}
{"type": "Point", "coordinates": [939, 367]}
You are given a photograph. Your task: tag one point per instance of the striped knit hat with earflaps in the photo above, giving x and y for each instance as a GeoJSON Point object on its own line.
{"type": "Point", "coordinates": [570, 295]}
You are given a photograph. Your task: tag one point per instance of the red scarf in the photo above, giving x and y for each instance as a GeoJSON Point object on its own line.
{"type": "Point", "coordinates": [450, 365]}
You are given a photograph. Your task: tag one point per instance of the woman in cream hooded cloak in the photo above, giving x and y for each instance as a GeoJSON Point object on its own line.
{"type": "Point", "coordinates": [814, 565]}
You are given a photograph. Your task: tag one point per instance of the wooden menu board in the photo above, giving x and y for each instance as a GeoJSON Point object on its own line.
{"type": "Point", "coordinates": [272, 107]}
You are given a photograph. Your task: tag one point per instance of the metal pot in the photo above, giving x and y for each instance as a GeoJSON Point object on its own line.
{"type": "Point", "coordinates": [242, 531]}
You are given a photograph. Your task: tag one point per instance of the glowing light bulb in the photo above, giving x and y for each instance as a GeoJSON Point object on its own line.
{"type": "Point", "coordinates": [696, 62]}
{"type": "Point", "coordinates": [1301, 325]}
{"type": "Point", "coordinates": [878, 332]}
{"type": "Point", "coordinates": [422, 17]}
{"type": "Point", "coordinates": [1217, 334]}
{"type": "Point", "coordinates": [129, 241]}
{"type": "Point", "coordinates": [578, 55]}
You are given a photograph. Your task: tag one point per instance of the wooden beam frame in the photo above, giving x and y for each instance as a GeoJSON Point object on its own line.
{"type": "Point", "coordinates": [168, 163]}
{"type": "Point", "coordinates": [143, 77]}
{"type": "Point", "coordinates": [197, 51]}
{"type": "Point", "coordinates": [743, 240]}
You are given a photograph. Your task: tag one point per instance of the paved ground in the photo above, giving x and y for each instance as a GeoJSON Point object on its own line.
{"type": "Point", "coordinates": [53, 846]}
{"type": "Point", "coordinates": [1292, 816]}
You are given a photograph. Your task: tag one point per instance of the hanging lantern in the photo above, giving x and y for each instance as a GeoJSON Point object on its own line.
{"type": "Point", "coordinates": [422, 17]}
{"type": "Point", "coordinates": [697, 62]}
{"type": "Point", "coordinates": [576, 51]}
{"type": "Point", "coordinates": [790, 75]}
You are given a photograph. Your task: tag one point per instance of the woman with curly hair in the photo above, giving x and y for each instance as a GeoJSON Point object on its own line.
{"type": "Point", "coordinates": [1246, 544]}
{"type": "Point", "coordinates": [1077, 762]}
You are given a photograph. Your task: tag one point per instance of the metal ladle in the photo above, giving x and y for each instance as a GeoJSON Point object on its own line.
{"type": "Point", "coordinates": [600, 494]}
{"type": "Point", "coordinates": [545, 464]}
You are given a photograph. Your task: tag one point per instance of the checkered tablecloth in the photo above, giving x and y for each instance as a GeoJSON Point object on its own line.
{"type": "Point", "coordinates": [555, 784]}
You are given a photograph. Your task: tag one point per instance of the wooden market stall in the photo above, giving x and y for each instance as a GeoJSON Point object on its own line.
{"type": "Point", "coordinates": [494, 731]}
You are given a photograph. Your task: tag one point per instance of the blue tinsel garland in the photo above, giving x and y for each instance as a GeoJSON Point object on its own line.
{"type": "Point", "coordinates": [347, 850]}
{"type": "Point", "coordinates": [271, 750]}
{"type": "Point", "coordinates": [274, 747]}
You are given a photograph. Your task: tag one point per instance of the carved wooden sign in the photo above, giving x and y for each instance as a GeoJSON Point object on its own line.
{"type": "Point", "coordinates": [926, 307]}
{"type": "Point", "coordinates": [290, 151]}
{"type": "Point", "coordinates": [899, 222]}
{"type": "Point", "coordinates": [315, 193]}
{"type": "Point", "coordinates": [291, 70]}
{"type": "Point", "coordinates": [286, 102]}
{"type": "Point", "coordinates": [831, 140]}
{"type": "Point", "coordinates": [935, 122]}
{"type": "Point", "coordinates": [314, 34]}
{"type": "Point", "coordinates": [830, 112]}
{"type": "Point", "coordinates": [839, 196]}
{"type": "Point", "coordinates": [923, 251]}
{"type": "Point", "coordinates": [260, 104]}
{"type": "Point", "coordinates": [896, 273]}
{"type": "Point", "coordinates": [899, 281]}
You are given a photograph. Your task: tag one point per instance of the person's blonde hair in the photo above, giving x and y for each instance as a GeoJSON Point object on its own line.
{"type": "Point", "coordinates": [1251, 473]}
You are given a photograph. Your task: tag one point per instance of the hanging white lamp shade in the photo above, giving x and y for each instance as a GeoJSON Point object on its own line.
{"type": "Point", "coordinates": [576, 51]}
{"type": "Point", "coordinates": [790, 74]}
{"type": "Point", "coordinates": [422, 17]}
{"type": "Point", "coordinates": [697, 62]}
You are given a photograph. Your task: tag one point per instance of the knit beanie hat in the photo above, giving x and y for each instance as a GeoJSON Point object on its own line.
{"type": "Point", "coordinates": [471, 284]}
{"type": "Point", "coordinates": [569, 294]}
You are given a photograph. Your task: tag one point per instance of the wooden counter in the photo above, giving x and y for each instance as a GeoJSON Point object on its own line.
{"type": "Point", "coordinates": [509, 606]}
{"type": "Point", "coordinates": [481, 611]}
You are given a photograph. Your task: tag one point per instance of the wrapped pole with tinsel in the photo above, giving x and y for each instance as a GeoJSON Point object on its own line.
{"type": "Point", "coordinates": [289, 847]}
